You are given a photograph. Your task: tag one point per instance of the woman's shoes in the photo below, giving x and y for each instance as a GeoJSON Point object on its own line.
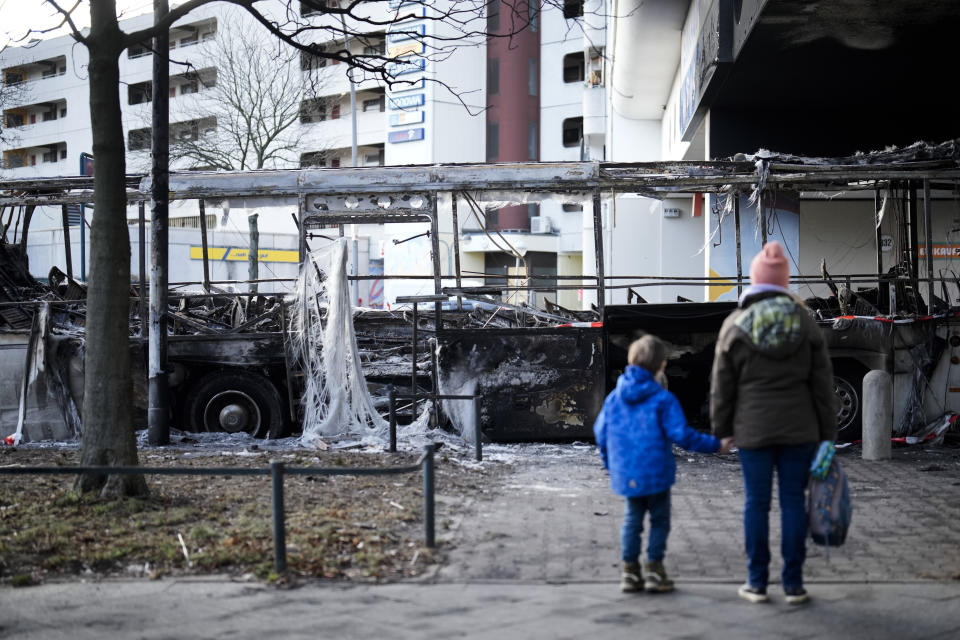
{"type": "Point", "coordinates": [753, 594]}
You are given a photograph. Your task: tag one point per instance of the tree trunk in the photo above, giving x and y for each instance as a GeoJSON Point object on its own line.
{"type": "Point", "coordinates": [108, 432]}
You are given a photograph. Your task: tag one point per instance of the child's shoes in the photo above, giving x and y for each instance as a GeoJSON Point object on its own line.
{"type": "Point", "coordinates": [630, 578]}
{"type": "Point", "coordinates": [655, 578]}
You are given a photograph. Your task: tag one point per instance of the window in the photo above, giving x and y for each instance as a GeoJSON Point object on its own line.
{"type": "Point", "coordinates": [572, 208]}
{"type": "Point", "coordinates": [335, 111]}
{"type": "Point", "coordinates": [140, 93]}
{"type": "Point", "coordinates": [49, 115]}
{"type": "Point", "coordinates": [573, 67]}
{"type": "Point", "coordinates": [192, 222]}
{"type": "Point", "coordinates": [313, 111]}
{"type": "Point", "coordinates": [191, 39]}
{"type": "Point", "coordinates": [374, 104]}
{"type": "Point", "coordinates": [311, 61]}
{"type": "Point", "coordinates": [533, 77]}
{"type": "Point", "coordinates": [335, 162]}
{"type": "Point", "coordinates": [493, 16]}
{"type": "Point", "coordinates": [312, 159]}
{"type": "Point", "coordinates": [572, 132]}
{"type": "Point", "coordinates": [50, 156]}
{"type": "Point", "coordinates": [375, 49]}
{"type": "Point", "coordinates": [532, 145]}
{"type": "Point", "coordinates": [63, 153]}
{"type": "Point", "coordinates": [139, 50]}
{"type": "Point", "coordinates": [189, 87]}
{"type": "Point", "coordinates": [572, 9]}
{"type": "Point", "coordinates": [63, 112]}
{"type": "Point", "coordinates": [12, 77]}
{"type": "Point", "coordinates": [493, 141]}
{"type": "Point", "coordinates": [311, 7]}
{"type": "Point", "coordinates": [138, 139]}
{"type": "Point", "coordinates": [14, 120]}
{"type": "Point", "coordinates": [493, 76]}
{"type": "Point", "coordinates": [595, 76]}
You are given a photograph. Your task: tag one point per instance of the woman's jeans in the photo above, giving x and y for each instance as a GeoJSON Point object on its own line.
{"type": "Point", "coordinates": [792, 463]}
{"type": "Point", "coordinates": [658, 505]}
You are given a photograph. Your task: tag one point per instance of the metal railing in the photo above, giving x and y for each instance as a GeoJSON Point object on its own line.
{"type": "Point", "coordinates": [276, 471]}
{"type": "Point", "coordinates": [394, 396]}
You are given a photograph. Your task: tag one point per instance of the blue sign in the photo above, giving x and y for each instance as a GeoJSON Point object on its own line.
{"type": "Point", "coordinates": [405, 66]}
{"type": "Point", "coordinates": [407, 102]}
{"type": "Point", "coordinates": [407, 5]}
{"type": "Point", "coordinates": [407, 135]}
{"type": "Point", "coordinates": [408, 117]}
{"type": "Point", "coordinates": [406, 32]}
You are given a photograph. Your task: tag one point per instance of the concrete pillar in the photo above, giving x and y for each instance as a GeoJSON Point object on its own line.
{"type": "Point", "coordinates": [877, 415]}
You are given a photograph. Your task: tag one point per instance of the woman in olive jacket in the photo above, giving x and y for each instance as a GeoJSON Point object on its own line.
{"type": "Point", "coordinates": [772, 390]}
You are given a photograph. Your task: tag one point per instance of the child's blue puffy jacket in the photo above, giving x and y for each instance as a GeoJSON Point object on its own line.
{"type": "Point", "coordinates": [635, 430]}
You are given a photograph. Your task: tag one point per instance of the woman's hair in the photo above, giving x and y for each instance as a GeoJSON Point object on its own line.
{"type": "Point", "coordinates": [647, 352]}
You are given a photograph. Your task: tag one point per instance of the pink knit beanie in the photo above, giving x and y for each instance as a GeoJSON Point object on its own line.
{"type": "Point", "coordinates": [770, 266]}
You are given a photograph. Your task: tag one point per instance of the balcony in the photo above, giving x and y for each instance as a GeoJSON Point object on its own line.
{"type": "Point", "coordinates": [35, 71]}
{"type": "Point", "coordinates": [33, 114]}
{"type": "Point", "coordinates": [49, 159]}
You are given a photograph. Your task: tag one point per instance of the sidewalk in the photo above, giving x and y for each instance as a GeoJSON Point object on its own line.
{"type": "Point", "coordinates": [557, 521]}
{"type": "Point", "coordinates": [539, 560]}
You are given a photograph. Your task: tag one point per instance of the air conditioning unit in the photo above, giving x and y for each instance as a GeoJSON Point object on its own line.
{"type": "Point", "coordinates": [540, 224]}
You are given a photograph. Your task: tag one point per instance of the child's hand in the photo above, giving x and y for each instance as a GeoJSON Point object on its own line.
{"type": "Point", "coordinates": [725, 445]}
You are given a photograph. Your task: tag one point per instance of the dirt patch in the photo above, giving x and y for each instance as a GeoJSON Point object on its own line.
{"type": "Point", "coordinates": [363, 528]}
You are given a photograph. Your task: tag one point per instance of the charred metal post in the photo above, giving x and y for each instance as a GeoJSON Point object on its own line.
{"type": "Point", "coordinates": [928, 233]}
{"type": "Point", "coordinates": [253, 259]}
{"type": "Point", "coordinates": [142, 309]}
{"type": "Point", "coordinates": [435, 254]}
{"type": "Point", "coordinates": [279, 526]}
{"type": "Point", "coordinates": [477, 448]}
{"type": "Point", "coordinates": [413, 360]}
{"type": "Point", "coordinates": [66, 240]}
{"type": "Point", "coordinates": [435, 378]}
{"type": "Point", "coordinates": [393, 420]}
{"type": "Point", "coordinates": [158, 405]}
{"type": "Point", "coordinates": [877, 206]}
{"type": "Point", "coordinates": [456, 248]}
{"type": "Point", "coordinates": [736, 222]}
{"type": "Point", "coordinates": [914, 242]}
{"type": "Point", "coordinates": [763, 219]}
{"type": "Point", "coordinates": [298, 220]}
{"type": "Point", "coordinates": [203, 245]}
{"type": "Point", "coordinates": [428, 497]}
{"type": "Point", "coordinates": [598, 249]}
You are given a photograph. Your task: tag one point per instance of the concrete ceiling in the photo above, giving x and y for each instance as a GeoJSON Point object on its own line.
{"type": "Point", "coordinates": [852, 73]}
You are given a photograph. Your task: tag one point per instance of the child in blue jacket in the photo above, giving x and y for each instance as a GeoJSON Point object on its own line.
{"type": "Point", "coordinates": [635, 431]}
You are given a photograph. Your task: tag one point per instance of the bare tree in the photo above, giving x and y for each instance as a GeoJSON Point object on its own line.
{"type": "Point", "coordinates": [317, 27]}
{"type": "Point", "coordinates": [250, 101]}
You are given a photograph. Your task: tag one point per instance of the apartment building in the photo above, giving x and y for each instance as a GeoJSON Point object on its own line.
{"type": "Point", "coordinates": [438, 111]}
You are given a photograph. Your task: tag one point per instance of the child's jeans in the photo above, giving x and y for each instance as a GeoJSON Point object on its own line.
{"type": "Point", "coordinates": [658, 505]}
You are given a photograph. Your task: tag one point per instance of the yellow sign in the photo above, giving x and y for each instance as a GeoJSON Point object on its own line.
{"type": "Point", "coordinates": [405, 49]}
{"type": "Point", "coordinates": [719, 287]}
{"type": "Point", "coordinates": [240, 254]}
